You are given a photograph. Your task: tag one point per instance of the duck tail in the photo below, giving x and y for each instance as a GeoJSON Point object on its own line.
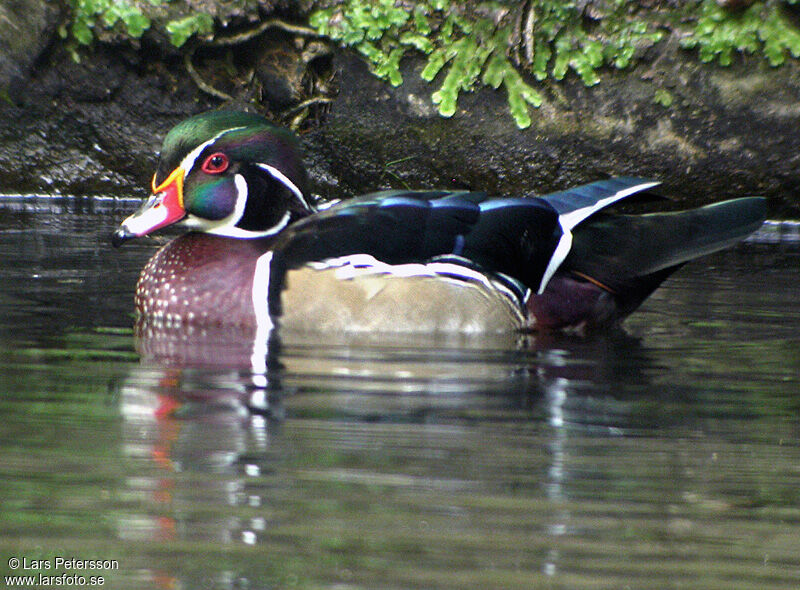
{"type": "Point", "coordinates": [618, 261]}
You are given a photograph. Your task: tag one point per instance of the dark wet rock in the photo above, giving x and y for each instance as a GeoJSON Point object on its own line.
{"type": "Point", "coordinates": [26, 29]}
{"type": "Point", "coordinates": [95, 127]}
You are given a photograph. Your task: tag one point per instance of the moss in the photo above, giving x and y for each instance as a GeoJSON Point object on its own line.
{"type": "Point", "coordinates": [513, 45]}
{"type": "Point", "coordinates": [130, 19]}
{"type": "Point", "coordinates": [181, 30]}
{"type": "Point", "coordinates": [762, 28]}
{"type": "Point", "coordinates": [663, 97]}
{"type": "Point", "coordinates": [89, 14]}
{"type": "Point", "coordinates": [479, 50]}
{"type": "Point", "coordinates": [544, 39]}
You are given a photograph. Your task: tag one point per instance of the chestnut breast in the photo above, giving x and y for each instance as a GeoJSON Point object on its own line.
{"type": "Point", "coordinates": [201, 278]}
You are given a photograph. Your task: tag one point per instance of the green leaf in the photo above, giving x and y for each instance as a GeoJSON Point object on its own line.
{"type": "Point", "coordinates": [593, 53]}
{"type": "Point", "coordinates": [421, 23]}
{"type": "Point", "coordinates": [458, 76]}
{"type": "Point", "coordinates": [663, 97]}
{"type": "Point", "coordinates": [520, 95]}
{"type": "Point", "coordinates": [419, 42]}
{"type": "Point", "coordinates": [82, 32]}
{"type": "Point", "coordinates": [494, 71]}
{"type": "Point", "coordinates": [321, 21]}
{"type": "Point", "coordinates": [778, 36]}
{"type": "Point", "coordinates": [436, 61]}
{"type": "Point", "coordinates": [584, 67]}
{"type": "Point", "coordinates": [541, 58]}
{"type": "Point", "coordinates": [389, 66]}
{"type": "Point", "coordinates": [137, 24]}
{"type": "Point", "coordinates": [353, 36]}
{"type": "Point", "coordinates": [181, 30]}
{"type": "Point", "coordinates": [563, 47]}
{"type": "Point", "coordinates": [623, 58]}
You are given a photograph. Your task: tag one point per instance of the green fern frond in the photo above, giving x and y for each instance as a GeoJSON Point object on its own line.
{"type": "Point", "coordinates": [720, 34]}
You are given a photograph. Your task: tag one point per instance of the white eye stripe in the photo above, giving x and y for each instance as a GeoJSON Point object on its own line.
{"type": "Point", "coordinates": [189, 160]}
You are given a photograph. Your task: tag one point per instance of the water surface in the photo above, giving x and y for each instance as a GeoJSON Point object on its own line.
{"type": "Point", "coordinates": [665, 457]}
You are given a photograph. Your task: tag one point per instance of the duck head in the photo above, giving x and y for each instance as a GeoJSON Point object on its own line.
{"type": "Point", "coordinates": [227, 173]}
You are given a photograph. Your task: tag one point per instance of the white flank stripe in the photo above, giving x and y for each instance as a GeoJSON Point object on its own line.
{"type": "Point", "coordinates": [281, 177]}
{"type": "Point", "coordinates": [569, 220]}
{"type": "Point", "coordinates": [360, 265]}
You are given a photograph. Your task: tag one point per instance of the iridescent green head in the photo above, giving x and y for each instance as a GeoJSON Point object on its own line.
{"type": "Point", "coordinates": [229, 173]}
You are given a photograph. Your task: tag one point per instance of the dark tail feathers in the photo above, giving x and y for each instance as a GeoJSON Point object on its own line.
{"type": "Point", "coordinates": [631, 255]}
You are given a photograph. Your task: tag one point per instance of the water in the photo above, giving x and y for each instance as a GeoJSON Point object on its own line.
{"type": "Point", "coordinates": [665, 458]}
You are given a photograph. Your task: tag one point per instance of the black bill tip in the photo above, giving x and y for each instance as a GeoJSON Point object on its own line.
{"type": "Point", "coordinates": [121, 236]}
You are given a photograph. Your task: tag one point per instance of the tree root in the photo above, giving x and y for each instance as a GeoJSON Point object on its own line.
{"type": "Point", "coordinates": [202, 84]}
{"type": "Point", "coordinates": [298, 112]}
{"type": "Point", "coordinates": [272, 23]}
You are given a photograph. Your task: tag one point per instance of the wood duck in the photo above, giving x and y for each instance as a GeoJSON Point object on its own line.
{"type": "Point", "coordinates": [260, 254]}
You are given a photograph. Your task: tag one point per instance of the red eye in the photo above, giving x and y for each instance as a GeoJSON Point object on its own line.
{"type": "Point", "coordinates": [216, 163]}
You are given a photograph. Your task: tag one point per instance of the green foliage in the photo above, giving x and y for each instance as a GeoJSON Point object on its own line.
{"type": "Point", "coordinates": [476, 51]}
{"type": "Point", "coordinates": [663, 97]}
{"type": "Point", "coordinates": [762, 27]}
{"type": "Point", "coordinates": [181, 30]}
{"type": "Point", "coordinates": [507, 45]}
{"type": "Point", "coordinates": [86, 13]}
{"type": "Point", "coordinates": [611, 41]}
{"type": "Point", "coordinates": [89, 15]}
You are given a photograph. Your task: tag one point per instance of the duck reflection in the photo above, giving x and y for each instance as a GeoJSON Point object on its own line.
{"type": "Point", "coordinates": [229, 438]}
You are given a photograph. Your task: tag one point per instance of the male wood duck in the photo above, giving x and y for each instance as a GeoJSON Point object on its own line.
{"type": "Point", "coordinates": [260, 254]}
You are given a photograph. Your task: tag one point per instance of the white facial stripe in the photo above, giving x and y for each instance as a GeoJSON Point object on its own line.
{"type": "Point", "coordinates": [241, 197]}
{"type": "Point", "coordinates": [281, 177]}
{"type": "Point", "coordinates": [237, 232]}
{"type": "Point", "coordinates": [189, 160]}
{"type": "Point", "coordinates": [211, 226]}
{"type": "Point", "coordinates": [227, 225]}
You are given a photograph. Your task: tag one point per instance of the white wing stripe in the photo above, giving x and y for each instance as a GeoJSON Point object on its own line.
{"type": "Point", "coordinates": [573, 218]}
{"type": "Point", "coordinates": [358, 265]}
{"type": "Point", "coordinates": [569, 220]}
